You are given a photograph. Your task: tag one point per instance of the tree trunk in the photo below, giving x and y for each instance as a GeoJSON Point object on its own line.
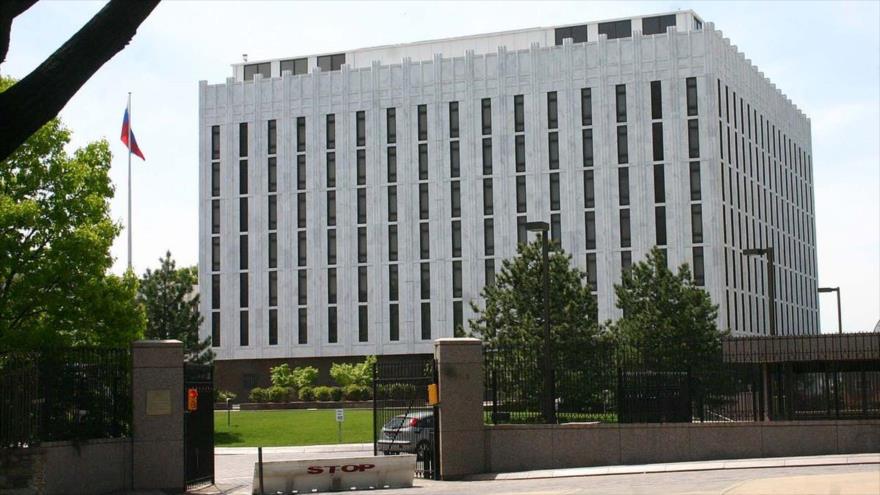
{"type": "Point", "coordinates": [41, 95]}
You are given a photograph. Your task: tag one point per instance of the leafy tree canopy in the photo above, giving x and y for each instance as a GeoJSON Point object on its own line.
{"type": "Point", "coordinates": [346, 374]}
{"type": "Point", "coordinates": [665, 315]}
{"type": "Point", "coordinates": [55, 238]}
{"type": "Point", "coordinates": [513, 316]}
{"type": "Point", "coordinates": [172, 307]}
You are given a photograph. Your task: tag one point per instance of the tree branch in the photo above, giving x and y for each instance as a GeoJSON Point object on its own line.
{"type": "Point", "coordinates": [9, 10]}
{"type": "Point", "coordinates": [38, 98]}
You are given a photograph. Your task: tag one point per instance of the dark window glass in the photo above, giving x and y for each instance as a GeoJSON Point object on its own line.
{"type": "Point", "coordinates": [521, 234]}
{"type": "Point", "coordinates": [456, 238]}
{"type": "Point", "coordinates": [215, 291]}
{"type": "Point", "coordinates": [392, 203]}
{"type": "Point", "coordinates": [553, 150]}
{"type": "Point", "coordinates": [242, 214]}
{"type": "Point", "coordinates": [660, 225]}
{"type": "Point", "coordinates": [521, 194]}
{"type": "Point", "coordinates": [273, 250]}
{"type": "Point", "coordinates": [486, 115]}
{"type": "Point", "coordinates": [656, 100]}
{"type": "Point", "coordinates": [695, 181]}
{"type": "Point", "coordinates": [519, 117]}
{"type": "Point", "coordinates": [393, 292]}
{"type": "Point", "coordinates": [488, 200]}
{"type": "Point", "coordinates": [332, 326]}
{"type": "Point", "coordinates": [586, 107]}
{"type": "Point", "coordinates": [362, 284]}
{"type": "Point", "coordinates": [556, 227]}
{"type": "Point", "coordinates": [657, 25]}
{"type": "Point", "coordinates": [699, 271]}
{"type": "Point", "coordinates": [424, 241]}
{"type": "Point", "coordinates": [587, 144]}
{"type": "Point", "coordinates": [273, 212]}
{"type": "Point", "coordinates": [426, 321]}
{"type": "Point", "coordinates": [657, 140]}
{"type": "Point", "coordinates": [394, 322]}
{"type": "Point", "coordinates": [591, 271]}
{"type": "Point", "coordinates": [554, 192]}
{"type": "Point", "coordinates": [243, 252]}
{"type": "Point", "coordinates": [272, 137]}
{"type": "Point", "coordinates": [578, 34]}
{"type": "Point", "coordinates": [425, 280]}
{"type": "Point", "coordinates": [243, 329]}
{"type": "Point", "coordinates": [331, 169]}
{"type": "Point", "coordinates": [296, 66]}
{"type": "Point", "coordinates": [331, 247]}
{"type": "Point", "coordinates": [623, 185]}
{"type": "Point", "coordinates": [363, 324]}
{"type": "Point", "coordinates": [302, 327]}
{"type": "Point", "coordinates": [589, 190]}
{"type": "Point", "coordinates": [302, 287]}
{"type": "Point", "coordinates": [454, 159]}
{"type": "Point", "coordinates": [423, 162]}
{"type": "Point", "coordinates": [362, 245]}
{"type": "Point", "coordinates": [520, 152]}
{"type": "Point", "coordinates": [625, 260]}
{"type": "Point", "coordinates": [691, 84]}
{"type": "Point", "coordinates": [362, 205]}
{"type": "Point", "coordinates": [625, 240]}
{"type": "Point", "coordinates": [331, 62]}
{"type": "Point", "coordinates": [693, 139]}
{"type": "Point", "coordinates": [620, 94]}
{"type": "Point", "coordinates": [215, 216]}
{"type": "Point", "coordinates": [659, 184]}
{"type": "Point", "coordinates": [215, 254]}
{"type": "Point", "coordinates": [453, 119]}
{"type": "Point", "coordinates": [487, 156]}
{"type": "Point", "coordinates": [361, 129]}
{"type": "Point", "coordinates": [455, 193]}
{"type": "Point", "coordinates": [331, 285]}
{"type": "Point", "coordinates": [300, 134]}
{"type": "Point", "coordinates": [489, 270]}
{"type": "Point", "coordinates": [273, 288]}
{"type": "Point", "coordinates": [696, 223]}
{"type": "Point", "coordinates": [456, 279]}
{"type": "Point", "coordinates": [616, 29]}
{"type": "Point", "coordinates": [392, 243]}
{"type": "Point", "coordinates": [331, 131]}
{"type": "Point", "coordinates": [264, 69]}
{"type": "Point", "coordinates": [215, 329]}
{"type": "Point", "coordinates": [423, 201]}
{"type": "Point", "coordinates": [361, 167]}
{"type": "Point", "coordinates": [301, 249]}
{"type": "Point", "coordinates": [215, 142]}
{"type": "Point", "coordinates": [243, 139]}
{"type": "Point", "coordinates": [301, 210]}
{"type": "Point", "coordinates": [457, 319]}
{"type": "Point", "coordinates": [243, 290]}
{"type": "Point", "coordinates": [489, 236]}
{"type": "Point", "coordinates": [590, 229]}
{"type": "Point", "coordinates": [423, 122]}
{"type": "Point", "coordinates": [622, 147]}
{"type": "Point", "coordinates": [242, 177]}
{"type": "Point", "coordinates": [392, 164]}
{"type": "Point", "coordinates": [391, 125]}
{"type": "Point", "coordinates": [273, 175]}
{"type": "Point", "coordinates": [552, 111]}
{"type": "Point", "coordinates": [215, 179]}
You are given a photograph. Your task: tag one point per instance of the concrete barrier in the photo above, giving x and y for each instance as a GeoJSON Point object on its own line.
{"type": "Point", "coordinates": [336, 474]}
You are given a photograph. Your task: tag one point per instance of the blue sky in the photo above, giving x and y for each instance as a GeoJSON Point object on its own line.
{"type": "Point", "coordinates": [824, 56]}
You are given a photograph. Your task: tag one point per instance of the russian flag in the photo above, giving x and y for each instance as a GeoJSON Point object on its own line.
{"type": "Point", "coordinates": [126, 131]}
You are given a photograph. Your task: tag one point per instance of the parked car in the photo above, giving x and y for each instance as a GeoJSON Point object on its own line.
{"type": "Point", "coordinates": [411, 433]}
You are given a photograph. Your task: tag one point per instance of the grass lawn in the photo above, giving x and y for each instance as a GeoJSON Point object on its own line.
{"type": "Point", "coordinates": [291, 427]}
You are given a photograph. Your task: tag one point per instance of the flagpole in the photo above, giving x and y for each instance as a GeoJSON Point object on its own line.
{"type": "Point", "coordinates": [129, 179]}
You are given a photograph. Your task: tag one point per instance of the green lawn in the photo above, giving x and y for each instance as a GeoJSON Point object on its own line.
{"type": "Point", "coordinates": [291, 427]}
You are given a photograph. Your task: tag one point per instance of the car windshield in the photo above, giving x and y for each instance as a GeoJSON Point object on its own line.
{"type": "Point", "coordinates": [394, 423]}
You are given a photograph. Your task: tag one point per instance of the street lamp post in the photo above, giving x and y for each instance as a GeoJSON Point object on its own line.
{"type": "Point", "coordinates": [771, 280]}
{"type": "Point", "coordinates": [548, 404]}
{"type": "Point", "coordinates": [834, 289]}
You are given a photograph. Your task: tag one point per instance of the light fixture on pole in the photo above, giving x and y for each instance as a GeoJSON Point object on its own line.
{"type": "Point", "coordinates": [548, 403]}
{"type": "Point", "coordinates": [771, 280]}
{"type": "Point", "coordinates": [823, 290]}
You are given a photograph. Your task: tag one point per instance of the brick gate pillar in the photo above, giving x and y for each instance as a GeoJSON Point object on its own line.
{"type": "Point", "coordinates": [460, 373]}
{"type": "Point", "coordinates": [157, 415]}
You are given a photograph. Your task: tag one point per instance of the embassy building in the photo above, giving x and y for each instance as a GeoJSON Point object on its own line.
{"type": "Point", "coordinates": [355, 203]}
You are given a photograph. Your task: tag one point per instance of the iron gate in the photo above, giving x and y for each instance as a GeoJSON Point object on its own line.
{"type": "Point", "coordinates": [403, 419]}
{"type": "Point", "coordinates": [198, 424]}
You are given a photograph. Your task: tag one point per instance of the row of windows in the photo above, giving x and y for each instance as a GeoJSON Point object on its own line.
{"type": "Point", "coordinates": [296, 66]}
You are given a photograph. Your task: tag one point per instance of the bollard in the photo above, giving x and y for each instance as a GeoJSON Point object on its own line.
{"type": "Point", "coordinates": [260, 463]}
{"type": "Point", "coordinates": [228, 412]}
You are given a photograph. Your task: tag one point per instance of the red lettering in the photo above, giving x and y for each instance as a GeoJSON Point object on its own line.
{"type": "Point", "coordinates": [349, 468]}
{"type": "Point", "coordinates": [332, 469]}
{"type": "Point", "coordinates": [315, 470]}
{"type": "Point", "coordinates": [364, 467]}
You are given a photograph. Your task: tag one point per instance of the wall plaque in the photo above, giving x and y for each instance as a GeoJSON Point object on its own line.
{"type": "Point", "coordinates": [158, 402]}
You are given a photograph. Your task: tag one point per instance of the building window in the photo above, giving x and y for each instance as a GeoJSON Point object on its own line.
{"type": "Point", "coordinates": [553, 150]}
{"type": "Point", "coordinates": [625, 260]}
{"type": "Point", "coordinates": [696, 223]}
{"type": "Point", "coordinates": [577, 34]}
{"type": "Point", "coordinates": [215, 142]}
{"type": "Point", "coordinates": [554, 192]}
{"type": "Point", "coordinates": [331, 62]}
{"type": "Point", "coordinates": [331, 247]}
{"type": "Point", "coordinates": [699, 271]}
{"type": "Point", "coordinates": [362, 244]}
{"type": "Point", "coordinates": [215, 254]}
{"type": "Point", "coordinates": [489, 236]}
{"type": "Point", "coordinates": [625, 240]}
{"type": "Point", "coordinates": [215, 216]}
{"type": "Point", "coordinates": [456, 238]}
{"type": "Point", "coordinates": [264, 69]}
{"type": "Point", "coordinates": [623, 185]}
{"type": "Point", "coordinates": [215, 179]}
{"type": "Point", "coordinates": [424, 241]}
{"type": "Point", "coordinates": [489, 269]}
{"type": "Point", "coordinates": [456, 279]}
{"type": "Point", "coordinates": [302, 287]}
{"type": "Point", "coordinates": [243, 214]}
{"type": "Point", "coordinates": [392, 283]}
{"type": "Point", "coordinates": [658, 24]}
{"type": "Point", "coordinates": [301, 248]}
{"type": "Point", "coordinates": [423, 201]}
{"type": "Point", "coordinates": [426, 320]}
{"type": "Point", "coordinates": [660, 225]}
{"type": "Point", "coordinates": [589, 190]}
{"type": "Point", "coordinates": [243, 290]}
{"type": "Point", "coordinates": [392, 163]}
{"type": "Point", "coordinates": [273, 288]}
{"type": "Point", "coordinates": [273, 327]}
{"type": "Point", "coordinates": [659, 184]}
{"type": "Point", "coordinates": [391, 125]}
{"type": "Point", "coordinates": [273, 212]}
{"type": "Point", "coordinates": [486, 115]}
{"type": "Point", "coordinates": [620, 99]}
{"type": "Point", "coordinates": [243, 252]}
{"type": "Point", "coordinates": [521, 194]}
{"type": "Point", "coordinates": [331, 131]}
{"type": "Point", "coordinates": [487, 156]}
{"type": "Point", "coordinates": [453, 119]}
{"type": "Point", "coordinates": [332, 326]}
{"type": "Point", "coordinates": [691, 84]}
{"type": "Point", "coordinates": [488, 203]}
{"type": "Point", "coordinates": [243, 139]}
{"type": "Point", "coordinates": [552, 111]}
{"type": "Point", "coordinates": [215, 329]}
{"type": "Point", "coordinates": [296, 66]}
{"type": "Point", "coordinates": [331, 285]}
{"type": "Point", "coordinates": [423, 122]}
{"type": "Point", "coordinates": [616, 29]}
{"type": "Point", "coordinates": [590, 229]}
{"type": "Point", "coordinates": [657, 140]}
{"type": "Point", "coordinates": [243, 329]}
{"type": "Point", "coordinates": [586, 107]}
{"type": "Point", "coordinates": [587, 144]}
{"type": "Point", "coordinates": [656, 100]}
{"type": "Point", "coordinates": [394, 322]}
{"type": "Point", "coordinates": [363, 324]}
{"type": "Point", "coordinates": [301, 210]}
{"type": "Point", "coordinates": [302, 326]}
{"type": "Point", "coordinates": [622, 147]}
{"type": "Point", "coordinates": [361, 130]}
{"type": "Point", "coordinates": [300, 134]}
{"type": "Point", "coordinates": [556, 227]}
{"type": "Point", "coordinates": [362, 205]}
{"type": "Point", "coordinates": [331, 169]}
{"type": "Point", "coordinates": [519, 119]}
{"type": "Point", "coordinates": [695, 181]}
{"type": "Point", "coordinates": [520, 153]}
{"type": "Point", "coordinates": [215, 291]}
{"type": "Point", "coordinates": [455, 193]}
{"type": "Point", "coordinates": [272, 137]}
{"type": "Point", "coordinates": [457, 319]}
{"type": "Point", "coordinates": [591, 270]}
{"type": "Point", "coordinates": [693, 139]}
{"type": "Point", "coordinates": [423, 161]}
{"type": "Point", "coordinates": [425, 280]}
{"type": "Point", "coordinates": [454, 159]}
{"type": "Point", "coordinates": [392, 243]}
{"type": "Point", "coordinates": [242, 177]}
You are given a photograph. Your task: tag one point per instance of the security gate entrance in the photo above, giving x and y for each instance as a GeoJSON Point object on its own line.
{"type": "Point", "coordinates": [198, 424]}
{"type": "Point", "coordinates": [404, 421]}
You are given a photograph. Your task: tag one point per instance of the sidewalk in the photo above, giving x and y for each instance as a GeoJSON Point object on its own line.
{"type": "Point", "coordinates": [770, 462]}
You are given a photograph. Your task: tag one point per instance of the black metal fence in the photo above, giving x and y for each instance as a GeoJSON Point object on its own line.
{"type": "Point", "coordinates": [616, 385]}
{"type": "Point", "coordinates": [64, 394]}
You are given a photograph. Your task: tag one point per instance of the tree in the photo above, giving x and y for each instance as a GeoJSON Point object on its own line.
{"type": "Point", "coordinates": [513, 316]}
{"type": "Point", "coordinates": [32, 102]}
{"type": "Point", "coordinates": [666, 317]}
{"type": "Point", "coordinates": [172, 306]}
{"type": "Point", "coordinates": [55, 238]}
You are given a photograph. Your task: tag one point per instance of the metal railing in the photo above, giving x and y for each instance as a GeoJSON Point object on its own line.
{"type": "Point", "coordinates": [64, 394]}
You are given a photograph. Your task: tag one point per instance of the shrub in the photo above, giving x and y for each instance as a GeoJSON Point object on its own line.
{"type": "Point", "coordinates": [277, 394]}
{"type": "Point", "coordinates": [356, 392]}
{"type": "Point", "coordinates": [222, 395]}
{"type": "Point", "coordinates": [257, 395]}
{"type": "Point", "coordinates": [323, 393]}
{"type": "Point", "coordinates": [400, 391]}
{"type": "Point", "coordinates": [354, 374]}
{"type": "Point", "coordinates": [306, 394]}
{"type": "Point", "coordinates": [283, 376]}
{"type": "Point", "coordinates": [336, 393]}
